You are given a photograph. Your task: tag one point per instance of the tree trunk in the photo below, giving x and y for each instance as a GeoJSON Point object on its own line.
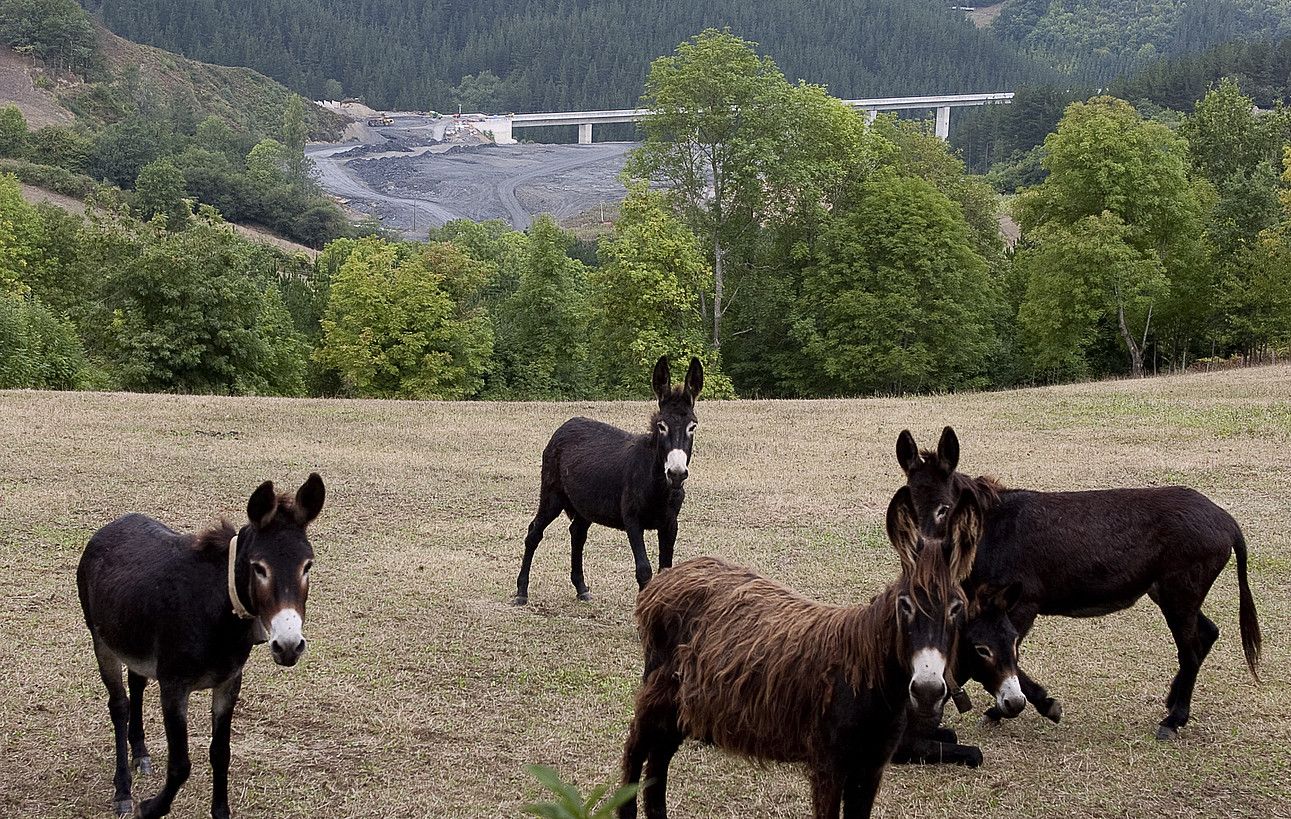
{"type": "Point", "coordinates": [717, 294]}
{"type": "Point", "coordinates": [1136, 350]}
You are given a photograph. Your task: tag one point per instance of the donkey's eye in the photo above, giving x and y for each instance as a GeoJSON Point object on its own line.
{"type": "Point", "coordinates": [305, 571]}
{"type": "Point", "coordinates": [906, 607]}
{"type": "Point", "coordinates": [663, 427]}
{"type": "Point", "coordinates": [941, 511]}
{"type": "Point", "coordinates": [690, 428]}
{"type": "Point", "coordinates": [262, 571]}
{"type": "Point", "coordinates": [955, 609]}
{"type": "Point", "coordinates": [984, 652]}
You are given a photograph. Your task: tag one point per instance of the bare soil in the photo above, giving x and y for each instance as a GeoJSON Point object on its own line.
{"type": "Point", "coordinates": [424, 694]}
{"type": "Point", "coordinates": [18, 86]}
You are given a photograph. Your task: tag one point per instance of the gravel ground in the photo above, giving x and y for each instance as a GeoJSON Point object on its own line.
{"type": "Point", "coordinates": [411, 181]}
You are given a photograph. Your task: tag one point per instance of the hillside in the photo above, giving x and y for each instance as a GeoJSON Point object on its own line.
{"type": "Point", "coordinates": [241, 97]}
{"type": "Point", "coordinates": [565, 54]}
{"type": "Point", "coordinates": [1097, 38]}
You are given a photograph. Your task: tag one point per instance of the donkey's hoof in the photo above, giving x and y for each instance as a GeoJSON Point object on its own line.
{"type": "Point", "coordinates": [972, 756]}
{"type": "Point", "coordinates": [123, 807]}
{"type": "Point", "coordinates": [1054, 712]}
{"type": "Point", "coordinates": [585, 597]}
{"type": "Point", "coordinates": [1165, 733]}
{"type": "Point", "coordinates": [143, 764]}
{"type": "Point", "coordinates": [520, 600]}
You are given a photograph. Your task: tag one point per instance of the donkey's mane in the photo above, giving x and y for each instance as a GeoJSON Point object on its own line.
{"type": "Point", "coordinates": [216, 538]}
{"type": "Point", "coordinates": [757, 663]}
{"type": "Point", "coordinates": [987, 488]}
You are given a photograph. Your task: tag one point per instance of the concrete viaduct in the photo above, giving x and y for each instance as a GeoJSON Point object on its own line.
{"type": "Point", "coordinates": [503, 126]}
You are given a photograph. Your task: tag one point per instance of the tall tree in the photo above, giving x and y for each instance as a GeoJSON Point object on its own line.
{"type": "Point", "coordinates": [645, 298]}
{"type": "Point", "coordinates": [1105, 159]}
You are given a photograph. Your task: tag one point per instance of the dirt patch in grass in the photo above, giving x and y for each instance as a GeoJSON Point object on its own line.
{"type": "Point", "coordinates": [424, 694]}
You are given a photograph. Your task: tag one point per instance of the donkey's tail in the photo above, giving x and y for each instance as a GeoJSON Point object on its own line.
{"type": "Point", "coordinates": [1250, 625]}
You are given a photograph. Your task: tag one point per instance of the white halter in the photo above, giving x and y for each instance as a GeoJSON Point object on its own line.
{"type": "Point", "coordinates": [240, 610]}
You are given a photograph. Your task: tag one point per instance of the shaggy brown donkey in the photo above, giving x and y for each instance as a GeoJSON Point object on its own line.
{"type": "Point", "coordinates": [1086, 554]}
{"type": "Point", "coordinates": [185, 610]}
{"type": "Point", "coordinates": [596, 473]}
{"type": "Point", "coordinates": [746, 664]}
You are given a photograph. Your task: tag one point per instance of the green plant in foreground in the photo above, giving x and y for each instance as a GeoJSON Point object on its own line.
{"type": "Point", "coordinates": [569, 804]}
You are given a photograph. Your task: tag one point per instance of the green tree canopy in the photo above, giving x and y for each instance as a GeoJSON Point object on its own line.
{"type": "Point", "coordinates": [895, 297]}
{"type": "Point", "coordinates": [392, 331]}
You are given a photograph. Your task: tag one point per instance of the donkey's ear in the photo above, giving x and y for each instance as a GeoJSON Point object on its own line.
{"type": "Point", "coordinates": [948, 449]}
{"type": "Point", "coordinates": [263, 505]}
{"type": "Point", "coordinates": [662, 381]}
{"type": "Point", "coordinates": [903, 528]}
{"type": "Point", "coordinates": [694, 379]}
{"type": "Point", "coordinates": [965, 530]}
{"type": "Point", "coordinates": [907, 451]}
{"type": "Point", "coordinates": [1009, 596]}
{"type": "Point", "coordinates": [309, 499]}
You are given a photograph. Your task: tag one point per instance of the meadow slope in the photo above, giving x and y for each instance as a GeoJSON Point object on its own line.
{"type": "Point", "coordinates": [424, 694]}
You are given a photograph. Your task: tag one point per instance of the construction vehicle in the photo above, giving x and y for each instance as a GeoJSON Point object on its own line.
{"type": "Point", "coordinates": [380, 121]}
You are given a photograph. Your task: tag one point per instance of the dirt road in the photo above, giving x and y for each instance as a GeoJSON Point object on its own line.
{"type": "Point", "coordinates": [417, 182]}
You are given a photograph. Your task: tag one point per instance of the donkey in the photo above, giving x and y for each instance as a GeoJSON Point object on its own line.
{"type": "Point", "coordinates": [1086, 554]}
{"type": "Point", "coordinates": [744, 663]}
{"type": "Point", "coordinates": [988, 651]}
{"type": "Point", "coordinates": [185, 610]}
{"type": "Point", "coordinates": [596, 473]}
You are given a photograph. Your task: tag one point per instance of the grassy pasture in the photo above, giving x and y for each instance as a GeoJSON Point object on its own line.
{"type": "Point", "coordinates": [424, 694]}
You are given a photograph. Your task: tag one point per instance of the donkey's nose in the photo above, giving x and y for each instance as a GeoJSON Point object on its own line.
{"type": "Point", "coordinates": [1010, 699]}
{"type": "Point", "coordinates": [927, 694]}
{"type": "Point", "coordinates": [285, 652]}
{"type": "Point", "coordinates": [677, 467]}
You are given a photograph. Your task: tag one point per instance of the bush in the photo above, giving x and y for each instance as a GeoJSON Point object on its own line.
{"type": "Point", "coordinates": [49, 177]}
{"type": "Point", "coordinates": [38, 350]}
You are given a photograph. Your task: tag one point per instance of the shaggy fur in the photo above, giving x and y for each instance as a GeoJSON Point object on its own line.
{"type": "Point", "coordinates": [749, 665]}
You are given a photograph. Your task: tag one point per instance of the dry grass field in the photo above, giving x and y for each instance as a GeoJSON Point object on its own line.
{"type": "Point", "coordinates": [424, 694]}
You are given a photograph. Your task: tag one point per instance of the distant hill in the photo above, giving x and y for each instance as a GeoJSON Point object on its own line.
{"type": "Point", "coordinates": [566, 54]}
{"type": "Point", "coordinates": [1098, 39]}
{"type": "Point", "coordinates": [239, 96]}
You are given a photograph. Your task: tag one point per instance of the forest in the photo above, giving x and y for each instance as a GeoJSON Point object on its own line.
{"type": "Point", "coordinates": [795, 250]}
{"type": "Point", "coordinates": [564, 54]}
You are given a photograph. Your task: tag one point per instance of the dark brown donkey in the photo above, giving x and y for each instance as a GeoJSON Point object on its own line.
{"type": "Point", "coordinates": [185, 610]}
{"type": "Point", "coordinates": [596, 473]}
{"type": "Point", "coordinates": [1086, 554]}
{"type": "Point", "coordinates": [751, 666]}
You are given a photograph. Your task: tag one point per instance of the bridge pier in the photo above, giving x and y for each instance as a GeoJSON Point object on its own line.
{"type": "Point", "coordinates": [943, 122]}
{"type": "Point", "coordinates": [871, 114]}
{"type": "Point", "coordinates": [585, 133]}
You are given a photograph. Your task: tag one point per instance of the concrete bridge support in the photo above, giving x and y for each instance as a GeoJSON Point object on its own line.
{"type": "Point", "coordinates": [585, 133]}
{"type": "Point", "coordinates": [943, 122]}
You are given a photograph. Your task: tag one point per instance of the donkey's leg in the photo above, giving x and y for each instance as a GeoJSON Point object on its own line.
{"type": "Point", "coordinates": [577, 540]}
{"type": "Point", "coordinates": [653, 738]}
{"type": "Point", "coordinates": [636, 537]}
{"type": "Point", "coordinates": [667, 539]}
{"type": "Point", "coordinates": [174, 710]}
{"type": "Point", "coordinates": [656, 773]}
{"type": "Point", "coordinates": [138, 749]}
{"type": "Point", "coordinates": [861, 788]}
{"type": "Point", "coordinates": [549, 506]}
{"type": "Point", "coordinates": [1187, 637]}
{"type": "Point", "coordinates": [826, 794]}
{"type": "Point", "coordinates": [119, 710]}
{"type": "Point", "coordinates": [223, 698]}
